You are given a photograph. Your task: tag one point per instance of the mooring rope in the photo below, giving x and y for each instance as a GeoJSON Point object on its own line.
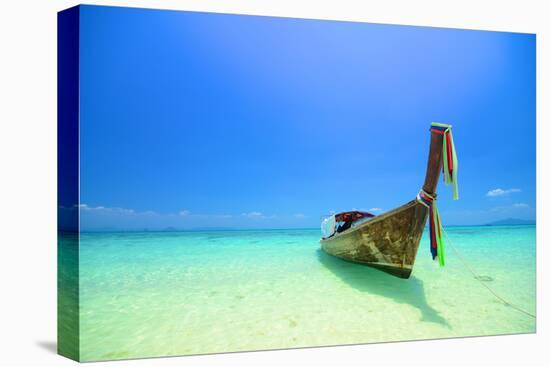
{"type": "Point", "coordinates": [467, 266]}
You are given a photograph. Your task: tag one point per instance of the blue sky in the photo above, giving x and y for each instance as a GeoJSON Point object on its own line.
{"type": "Point", "coordinates": [207, 120]}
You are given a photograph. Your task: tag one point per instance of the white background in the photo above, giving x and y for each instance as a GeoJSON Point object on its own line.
{"type": "Point", "coordinates": [28, 181]}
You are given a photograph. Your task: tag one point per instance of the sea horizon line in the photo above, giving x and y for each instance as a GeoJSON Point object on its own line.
{"type": "Point", "coordinates": [219, 229]}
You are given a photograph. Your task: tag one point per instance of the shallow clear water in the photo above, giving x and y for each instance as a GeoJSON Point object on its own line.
{"type": "Point", "coordinates": [172, 293]}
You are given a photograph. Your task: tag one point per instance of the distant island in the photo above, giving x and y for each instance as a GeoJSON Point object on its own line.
{"type": "Point", "coordinates": [511, 222]}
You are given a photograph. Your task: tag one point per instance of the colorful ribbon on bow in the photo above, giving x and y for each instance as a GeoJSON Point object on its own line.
{"type": "Point", "coordinates": [437, 246]}
{"type": "Point", "coordinates": [450, 173]}
{"type": "Point", "coordinates": [450, 161]}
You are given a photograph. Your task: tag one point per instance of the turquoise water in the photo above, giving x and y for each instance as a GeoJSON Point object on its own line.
{"type": "Point", "coordinates": [172, 293]}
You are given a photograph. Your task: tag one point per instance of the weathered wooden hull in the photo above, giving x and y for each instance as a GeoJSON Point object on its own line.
{"type": "Point", "coordinates": [388, 242]}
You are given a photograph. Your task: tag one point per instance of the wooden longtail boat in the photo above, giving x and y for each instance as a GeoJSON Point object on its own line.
{"type": "Point", "coordinates": [390, 241]}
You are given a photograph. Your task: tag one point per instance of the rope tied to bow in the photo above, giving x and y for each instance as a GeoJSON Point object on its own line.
{"type": "Point", "coordinates": [437, 245]}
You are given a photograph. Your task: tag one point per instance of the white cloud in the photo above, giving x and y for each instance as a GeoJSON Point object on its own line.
{"type": "Point", "coordinates": [86, 207]}
{"type": "Point", "coordinates": [253, 215]}
{"type": "Point", "coordinates": [186, 214]}
{"type": "Point", "coordinates": [375, 210]}
{"type": "Point", "coordinates": [225, 216]}
{"type": "Point", "coordinates": [116, 218]}
{"type": "Point", "coordinates": [501, 192]}
{"type": "Point", "coordinates": [149, 212]}
{"type": "Point", "coordinates": [520, 205]}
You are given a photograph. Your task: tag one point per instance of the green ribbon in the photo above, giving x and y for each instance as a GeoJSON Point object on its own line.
{"type": "Point", "coordinates": [439, 235]}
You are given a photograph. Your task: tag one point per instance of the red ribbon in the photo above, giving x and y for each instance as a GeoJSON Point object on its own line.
{"type": "Point", "coordinates": [449, 152]}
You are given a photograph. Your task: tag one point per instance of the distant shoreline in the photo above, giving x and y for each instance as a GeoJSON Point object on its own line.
{"type": "Point", "coordinates": [263, 229]}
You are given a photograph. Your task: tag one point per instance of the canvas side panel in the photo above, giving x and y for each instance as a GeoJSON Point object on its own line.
{"type": "Point", "coordinates": [68, 182]}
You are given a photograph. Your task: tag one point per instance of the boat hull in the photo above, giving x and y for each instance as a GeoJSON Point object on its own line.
{"type": "Point", "coordinates": [388, 242]}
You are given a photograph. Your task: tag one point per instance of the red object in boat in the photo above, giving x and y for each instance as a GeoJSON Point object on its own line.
{"type": "Point", "coordinates": [352, 216]}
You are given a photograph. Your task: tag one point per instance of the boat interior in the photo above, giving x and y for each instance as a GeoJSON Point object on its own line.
{"type": "Point", "coordinates": [340, 222]}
